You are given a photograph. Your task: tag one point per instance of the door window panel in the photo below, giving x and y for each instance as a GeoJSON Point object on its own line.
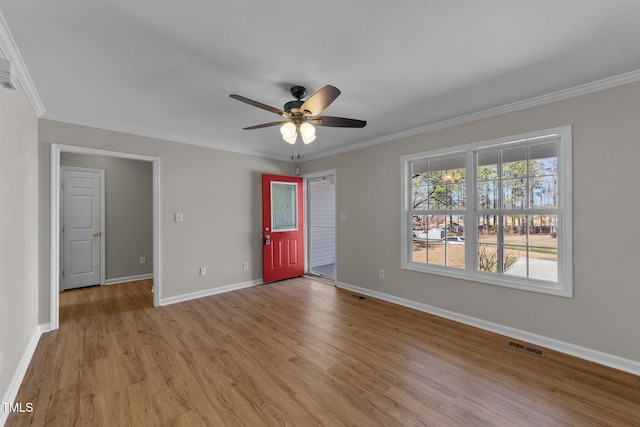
{"type": "Point", "coordinates": [284, 206]}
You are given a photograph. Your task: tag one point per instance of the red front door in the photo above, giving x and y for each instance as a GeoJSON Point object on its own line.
{"type": "Point", "coordinates": [282, 228]}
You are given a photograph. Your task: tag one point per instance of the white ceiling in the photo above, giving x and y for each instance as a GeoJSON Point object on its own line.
{"type": "Point", "coordinates": [166, 68]}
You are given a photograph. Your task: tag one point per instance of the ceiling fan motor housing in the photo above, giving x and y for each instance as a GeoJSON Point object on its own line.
{"type": "Point", "coordinates": [298, 92]}
{"type": "Point", "coordinates": [293, 104]}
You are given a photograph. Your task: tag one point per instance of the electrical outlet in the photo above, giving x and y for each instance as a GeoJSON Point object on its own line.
{"type": "Point", "coordinates": [143, 260]}
{"type": "Point", "coordinates": [179, 217]}
{"type": "Point", "coordinates": [245, 265]}
{"type": "Point", "coordinates": [203, 271]}
{"type": "Point", "coordinates": [381, 274]}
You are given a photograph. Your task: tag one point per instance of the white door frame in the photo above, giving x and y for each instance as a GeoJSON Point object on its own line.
{"type": "Point", "coordinates": [56, 149]}
{"type": "Point", "coordinates": [307, 241]}
{"type": "Point", "coordinates": [102, 259]}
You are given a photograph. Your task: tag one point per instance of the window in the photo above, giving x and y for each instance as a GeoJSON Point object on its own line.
{"type": "Point", "coordinates": [284, 206]}
{"type": "Point", "coordinates": [496, 212]}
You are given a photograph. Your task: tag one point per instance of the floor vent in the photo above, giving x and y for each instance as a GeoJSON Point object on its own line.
{"type": "Point", "coordinates": [359, 296]}
{"type": "Point", "coordinates": [536, 351]}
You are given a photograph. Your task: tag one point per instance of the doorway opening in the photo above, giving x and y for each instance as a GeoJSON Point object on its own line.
{"type": "Point", "coordinates": [56, 223]}
{"type": "Point", "coordinates": [321, 225]}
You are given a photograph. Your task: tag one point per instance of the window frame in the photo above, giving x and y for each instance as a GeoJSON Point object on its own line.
{"type": "Point", "coordinates": [564, 286]}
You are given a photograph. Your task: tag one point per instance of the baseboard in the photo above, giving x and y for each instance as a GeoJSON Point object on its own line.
{"type": "Point", "coordinates": [128, 279]}
{"type": "Point", "coordinates": [610, 360]}
{"type": "Point", "coordinates": [44, 328]}
{"type": "Point", "coordinates": [18, 376]}
{"type": "Point", "coordinates": [209, 292]}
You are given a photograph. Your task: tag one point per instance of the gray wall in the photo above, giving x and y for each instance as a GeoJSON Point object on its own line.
{"type": "Point", "coordinates": [605, 313]}
{"type": "Point", "coordinates": [128, 230]}
{"type": "Point", "coordinates": [18, 232]}
{"type": "Point", "coordinates": [218, 192]}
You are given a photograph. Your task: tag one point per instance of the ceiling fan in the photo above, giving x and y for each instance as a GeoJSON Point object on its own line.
{"type": "Point", "coordinates": [302, 115]}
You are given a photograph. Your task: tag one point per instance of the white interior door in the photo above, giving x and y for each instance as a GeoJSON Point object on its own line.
{"type": "Point", "coordinates": [82, 227]}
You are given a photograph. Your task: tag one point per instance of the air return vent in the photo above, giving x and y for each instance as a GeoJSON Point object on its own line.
{"type": "Point", "coordinates": [533, 350]}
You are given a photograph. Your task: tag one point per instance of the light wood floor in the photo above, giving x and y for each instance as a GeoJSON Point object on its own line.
{"type": "Point", "coordinates": [299, 353]}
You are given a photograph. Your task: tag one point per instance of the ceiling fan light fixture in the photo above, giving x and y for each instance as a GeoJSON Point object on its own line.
{"type": "Point", "coordinates": [308, 133]}
{"type": "Point", "coordinates": [300, 115]}
{"type": "Point", "coordinates": [288, 132]}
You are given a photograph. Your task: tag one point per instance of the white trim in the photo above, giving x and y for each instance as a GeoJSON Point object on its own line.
{"type": "Point", "coordinates": [610, 360]}
{"type": "Point", "coordinates": [56, 149]}
{"type": "Point", "coordinates": [156, 232]}
{"type": "Point", "coordinates": [320, 174]}
{"type": "Point", "coordinates": [166, 136]}
{"type": "Point", "coordinates": [561, 95]}
{"type": "Point", "coordinates": [103, 246]}
{"type": "Point", "coordinates": [55, 257]}
{"type": "Point", "coordinates": [126, 279]}
{"type": "Point", "coordinates": [584, 89]}
{"type": "Point", "coordinates": [45, 327]}
{"type": "Point", "coordinates": [10, 50]}
{"type": "Point", "coordinates": [9, 47]}
{"type": "Point", "coordinates": [209, 292]}
{"type": "Point", "coordinates": [18, 376]}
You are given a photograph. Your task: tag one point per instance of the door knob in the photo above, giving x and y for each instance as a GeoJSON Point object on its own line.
{"type": "Point", "coordinates": [97, 233]}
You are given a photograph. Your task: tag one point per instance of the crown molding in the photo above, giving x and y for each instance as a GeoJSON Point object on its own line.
{"type": "Point", "coordinates": [10, 50]}
{"type": "Point", "coordinates": [611, 82]}
{"type": "Point", "coordinates": [164, 136]}
{"type": "Point", "coordinates": [607, 83]}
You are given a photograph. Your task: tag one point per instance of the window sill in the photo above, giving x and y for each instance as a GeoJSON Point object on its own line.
{"type": "Point", "coordinates": [537, 286]}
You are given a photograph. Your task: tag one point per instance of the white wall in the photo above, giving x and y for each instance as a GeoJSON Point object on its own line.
{"type": "Point", "coordinates": [217, 191]}
{"type": "Point", "coordinates": [18, 233]}
{"type": "Point", "coordinates": [604, 314]}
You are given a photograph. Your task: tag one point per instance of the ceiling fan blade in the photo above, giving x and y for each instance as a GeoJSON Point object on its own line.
{"type": "Point", "coordinates": [257, 104]}
{"type": "Point", "coordinates": [340, 122]}
{"type": "Point", "coordinates": [320, 100]}
{"type": "Point", "coordinates": [265, 125]}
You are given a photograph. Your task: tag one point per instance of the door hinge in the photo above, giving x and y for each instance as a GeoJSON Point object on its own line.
{"type": "Point", "coordinates": [62, 273]}
{"type": "Point", "coordinates": [63, 228]}
{"type": "Point", "coordinates": [63, 185]}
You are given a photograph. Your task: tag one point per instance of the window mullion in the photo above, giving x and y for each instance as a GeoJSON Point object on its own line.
{"type": "Point", "coordinates": [500, 246]}
{"type": "Point", "coordinates": [500, 215]}
{"type": "Point", "coordinates": [471, 238]}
